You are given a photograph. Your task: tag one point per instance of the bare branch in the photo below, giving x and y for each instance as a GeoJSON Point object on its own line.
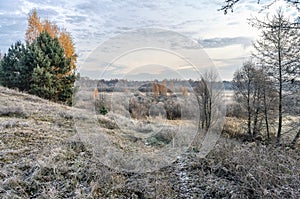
{"type": "Point", "coordinates": [229, 4]}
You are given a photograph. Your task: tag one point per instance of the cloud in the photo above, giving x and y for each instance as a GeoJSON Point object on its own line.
{"type": "Point", "coordinates": [73, 19]}
{"type": "Point", "coordinates": [45, 13]}
{"type": "Point", "coordinates": [224, 63]}
{"type": "Point", "coordinates": [92, 22]}
{"type": "Point", "coordinates": [226, 41]}
{"type": "Point", "coordinates": [185, 67]}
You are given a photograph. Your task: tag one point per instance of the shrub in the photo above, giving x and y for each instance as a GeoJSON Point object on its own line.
{"type": "Point", "coordinates": [173, 110]}
{"type": "Point", "coordinates": [233, 127]}
{"type": "Point", "coordinates": [100, 107]}
{"type": "Point", "coordinates": [162, 137]}
{"type": "Point", "coordinates": [235, 110]}
{"type": "Point", "coordinates": [139, 107]}
{"type": "Point", "coordinates": [13, 112]}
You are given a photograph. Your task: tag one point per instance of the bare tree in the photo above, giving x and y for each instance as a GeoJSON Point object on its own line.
{"type": "Point", "coordinates": [269, 101]}
{"type": "Point", "coordinates": [203, 97]}
{"type": "Point", "coordinates": [253, 92]}
{"type": "Point", "coordinates": [229, 4]}
{"type": "Point", "coordinates": [243, 89]}
{"type": "Point", "coordinates": [278, 51]}
{"type": "Point", "coordinates": [209, 93]}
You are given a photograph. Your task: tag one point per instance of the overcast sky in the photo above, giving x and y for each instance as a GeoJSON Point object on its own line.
{"type": "Point", "coordinates": [226, 39]}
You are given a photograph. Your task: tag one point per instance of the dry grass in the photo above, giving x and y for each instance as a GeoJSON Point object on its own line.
{"type": "Point", "coordinates": [234, 127]}
{"type": "Point", "coordinates": [41, 157]}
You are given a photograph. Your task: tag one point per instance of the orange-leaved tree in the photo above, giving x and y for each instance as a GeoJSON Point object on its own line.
{"type": "Point", "coordinates": [36, 27]}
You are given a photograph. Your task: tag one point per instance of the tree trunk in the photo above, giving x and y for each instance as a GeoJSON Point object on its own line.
{"type": "Point", "coordinates": [204, 111]}
{"type": "Point", "coordinates": [280, 91]}
{"type": "Point", "coordinates": [209, 112]}
{"type": "Point", "coordinates": [257, 110]}
{"type": "Point", "coordinates": [249, 109]}
{"type": "Point", "coordinates": [279, 116]}
{"type": "Point", "coordinates": [293, 143]}
{"type": "Point", "coordinates": [255, 121]}
{"type": "Point", "coordinates": [266, 115]}
{"type": "Point", "coordinates": [279, 107]}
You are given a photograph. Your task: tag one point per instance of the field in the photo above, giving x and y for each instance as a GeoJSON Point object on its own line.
{"type": "Point", "coordinates": [43, 154]}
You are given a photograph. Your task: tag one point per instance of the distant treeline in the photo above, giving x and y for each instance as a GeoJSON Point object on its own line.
{"type": "Point", "coordinates": [119, 85]}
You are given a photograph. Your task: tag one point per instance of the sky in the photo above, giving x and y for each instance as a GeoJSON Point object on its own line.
{"type": "Point", "coordinates": [224, 41]}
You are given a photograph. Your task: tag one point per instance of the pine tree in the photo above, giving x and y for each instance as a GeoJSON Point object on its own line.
{"type": "Point", "coordinates": [10, 69]}
{"type": "Point", "coordinates": [45, 66]}
{"type": "Point", "coordinates": [51, 78]}
{"type": "Point", "coordinates": [27, 67]}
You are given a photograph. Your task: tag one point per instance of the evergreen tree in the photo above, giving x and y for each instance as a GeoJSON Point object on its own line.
{"type": "Point", "coordinates": [26, 67]}
{"type": "Point", "coordinates": [45, 66]}
{"type": "Point", "coordinates": [52, 77]}
{"type": "Point", "coordinates": [10, 68]}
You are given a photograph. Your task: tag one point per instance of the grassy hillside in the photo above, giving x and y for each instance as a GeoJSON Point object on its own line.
{"type": "Point", "coordinates": [41, 156]}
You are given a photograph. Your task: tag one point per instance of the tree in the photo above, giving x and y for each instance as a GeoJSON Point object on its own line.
{"type": "Point", "coordinates": [96, 93]}
{"type": "Point", "coordinates": [229, 4]}
{"type": "Point", "coordinates": [278, 51]}
{"type": "Point", "coordinates": [36, 27]}
{"type": "Point", "coordinates": [10, 68]}
{"type": "Point", "coordinates": [255, 93]}
{"type": "Point", "coordinates": [159, 89]}
{"type": "Point", "coordinates": [66, 42]}
{"type": "Point", "coordinates": [155, 89]}
{"type": "Point", "coordinates": [27, 66]}
{"type": "Point", "coordinates": [204, 101]}
{"type": "Point", "coordinates": [184, 91]}
{"type": "Point", "coordinates": [208, 91]}
{"type": "Point", "coordinates": [50, 28]}
{"type": "Point", "coordinates": [269, 99]}
{"type": "Point", "coordinates": [52, 77]}
{"type": "Point", "coordinates": [45, 66]}
{"type": "Point", "coordinates": [243, 86]}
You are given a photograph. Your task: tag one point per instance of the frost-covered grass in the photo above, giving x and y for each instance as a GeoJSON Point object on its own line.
{"type": "Point", "coordinates": [41, 156]}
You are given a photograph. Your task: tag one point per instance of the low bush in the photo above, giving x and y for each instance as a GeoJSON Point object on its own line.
{"type": "Point", "coordinates": [235, 110]}
{"type": "Point", "coordinates": [139, 107]}
{"type": "Point", "coordinates": [16, 111]}
{"type": "Point", "coordinates": [233, 127]}
{"type": "Point", "coordinates": [100, 107]}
